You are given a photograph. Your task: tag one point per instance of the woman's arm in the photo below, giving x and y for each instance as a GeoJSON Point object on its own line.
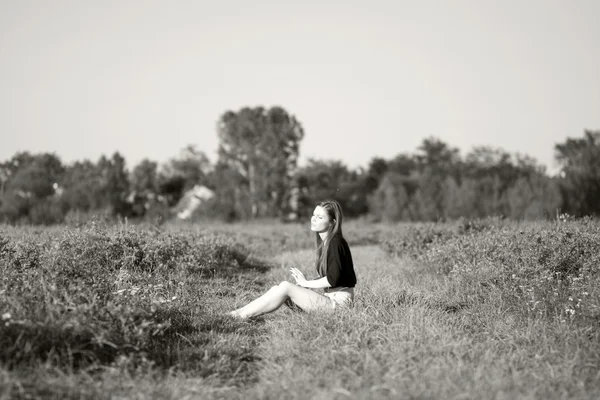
{"type": "Point", "coordinates": [312, 284]}
{"type": "Point", "coordinates": [315, 283]}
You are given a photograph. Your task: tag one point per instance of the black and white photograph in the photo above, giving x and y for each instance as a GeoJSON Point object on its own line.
{"type": "Point", "coordinates": [248, 200]}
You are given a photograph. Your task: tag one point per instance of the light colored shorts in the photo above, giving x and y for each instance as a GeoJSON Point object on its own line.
{"type": "Point", "coordinates": [340, 296]}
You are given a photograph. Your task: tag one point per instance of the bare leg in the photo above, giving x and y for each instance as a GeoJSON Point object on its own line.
{"type": "Point", "coordinates": [306, 299]}
{"type": "Point", "coordinates": [268, 300]}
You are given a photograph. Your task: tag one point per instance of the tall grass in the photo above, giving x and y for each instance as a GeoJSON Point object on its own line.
{"type": "Point", "coordinates": [86, 299]}
{"type": "Point", "coordinates": [486, 309]}
{"type": "Point", "coordinates": [452, 317]}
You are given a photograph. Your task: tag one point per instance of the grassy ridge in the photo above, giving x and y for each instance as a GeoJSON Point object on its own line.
{"type": "Point", "coordinates": [541, 270]}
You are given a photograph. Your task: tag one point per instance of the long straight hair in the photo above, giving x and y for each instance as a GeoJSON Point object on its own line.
{"type": "Point", "coordinates": [334, 211]}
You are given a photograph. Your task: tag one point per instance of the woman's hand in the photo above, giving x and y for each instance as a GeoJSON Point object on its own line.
{"type": "Point", "coordinates": [298, 276]}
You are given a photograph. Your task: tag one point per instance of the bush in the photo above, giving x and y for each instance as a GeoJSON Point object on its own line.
{"type": "Point", "coordinates": [92, 296]}
{"type": "Point", "coordinates": [415, 239]}
{"type": "Point", "coordinates": [542, 270]}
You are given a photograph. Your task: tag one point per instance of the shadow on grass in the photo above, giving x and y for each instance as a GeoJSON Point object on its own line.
{"type": "Point", "coordinates": [217, 346]}
{"type": "Point", "coordinates": [26, 385]}
{"type": "Point", "coordinates": [405, 298]}
{"type": "Point", "coordinates": [25, 344]}
{"type": "Point", "coordinates": [250, 262]}
{"type": "Point", "coordinates": [214, 346]}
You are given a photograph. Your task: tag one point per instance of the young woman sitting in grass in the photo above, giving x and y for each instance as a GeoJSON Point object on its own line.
{"type": "Point", "coordinates": [334, 266]}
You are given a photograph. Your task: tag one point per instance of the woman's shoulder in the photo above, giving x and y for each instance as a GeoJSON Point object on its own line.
{"type": "Point", "coordinates": [338, 240]}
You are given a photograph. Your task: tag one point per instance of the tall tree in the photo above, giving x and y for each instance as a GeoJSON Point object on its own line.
{"type": "Point", "coordinates": [389, 202]}
{"type": "Point", "coordinates": [533, 198]}
{"type": "Point", "coordinates": [428, 201]}
{"type": "Point", "coordinates": [231, 201]}
{"type": "Point", "coordinates": [144, 177]}
{"type": "Point", "coordinates": [375, 172]}
{"type": "Point", "coordinates": [459, 200]}
{"type": "Point", "coordinates": [115, 183]}
{"type": "Point", "coordinates": [83, 186]}
{"type": "Point", "coordinates": [35, 174]}
{"type": "Point", "coordinates": [432, 164]}
{"type": "Point", "coordinates": [29, 188]}
{"type": "Point", "coordinates": [331, 179]}
{"type": "Point", "coordinates": [144, 194]}
{"type": "Point", "coordinates": [495, 172]}
{"type": "Point", "coordinates": [262, 145]}
{"type": "Point", "coordinates": [191, 165]}
{"type": "Point", "coordinates": [579, 160]}
{"type": "Point", "coordinates": [438, 157]}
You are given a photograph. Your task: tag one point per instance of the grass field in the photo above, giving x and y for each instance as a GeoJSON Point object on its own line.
{"type": "Point", "coordinates": [484, 309]}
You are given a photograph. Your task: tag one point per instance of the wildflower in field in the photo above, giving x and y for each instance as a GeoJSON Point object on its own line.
{"type": "Point", "coordinates": [6, 316]}
{"type": "Point", "coordinates": [570, 311]}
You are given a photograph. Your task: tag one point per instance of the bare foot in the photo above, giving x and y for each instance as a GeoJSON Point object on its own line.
{"type": "Point", "coordinates": [237, 314]}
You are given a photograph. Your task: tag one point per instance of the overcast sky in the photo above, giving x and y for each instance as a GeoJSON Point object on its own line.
{"type": "Point", "coordinates": [368, 78]}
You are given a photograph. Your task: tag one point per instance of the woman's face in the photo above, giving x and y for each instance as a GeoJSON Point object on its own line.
{"type": "Point", "coordinates": [320, 220]}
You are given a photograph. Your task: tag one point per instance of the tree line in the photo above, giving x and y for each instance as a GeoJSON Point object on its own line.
{"type": "Point", "coordinates": [257, 175]}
